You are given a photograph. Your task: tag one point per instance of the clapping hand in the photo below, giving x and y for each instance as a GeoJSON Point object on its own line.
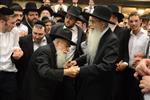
{"type": "Point", "coordinates": [17, 53]}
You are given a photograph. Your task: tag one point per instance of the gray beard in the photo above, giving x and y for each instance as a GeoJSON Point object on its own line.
{"type": "Point", "coordinates": [61, 59]}
{"type": "Point", "coordinates": [92, 44]}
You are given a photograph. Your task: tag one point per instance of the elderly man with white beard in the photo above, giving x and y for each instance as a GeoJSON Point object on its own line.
{"type": "Point", "coordinates": [44, 77]}
{"type": "Point", "coordinates": [95, 68]}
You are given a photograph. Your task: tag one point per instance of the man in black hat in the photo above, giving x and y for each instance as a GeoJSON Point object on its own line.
{"type": "Point", "coordinates": [118, 91]}
{"type": "Point", "coordinates": [78, 36]}
{"type": "Point", "coordinates": [95, 77]}
{"type": "Point", "coordinates": [72, 15]}
{"type": "Point", "coordinates": [20, 28]}
{"type": "Point", "coordinates": [45, 11]}
{"type": "Point", "coordinates": [29, 44]}
{"type": "Point", "coordinates": [9, 50]}
{"type": "Point", "coordinates": [60, 6]}
{"type": "Point", "coordinates": [46, 69]}
{"type": "Point", "coordinates": [31, 15]}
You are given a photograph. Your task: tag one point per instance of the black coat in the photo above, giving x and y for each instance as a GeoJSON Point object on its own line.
{"type": "Point", "coordinates": [121, 33]}
{"type": "Point", "coordinates": [43, 79]}
{"type": "Point", "coordinates": [119, 89]}
{"type": "Point", "coordinates": [95, 81]}
{"type": "Point", "coordinates": [69, 83]}
{"type": "Point", "coordinates": [26, 44]}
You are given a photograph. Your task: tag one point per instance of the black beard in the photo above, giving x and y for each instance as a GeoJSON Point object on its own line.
{"type": "Point", "coordinates": [17, 24]}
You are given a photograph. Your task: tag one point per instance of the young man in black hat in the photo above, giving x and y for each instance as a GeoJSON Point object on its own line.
{"type": "Point", "coordinates": [9, 50]}
{"type": "Point", "coordinates": [31, 15]}
{"type": "Point", "coordinates": [95, 77]}
{"type": "Point", "coordinates": [78, 36]}
{"type": "Point", "coordinates": [20, 28]}
{"type": "Point", "coordinates": [44, 77]}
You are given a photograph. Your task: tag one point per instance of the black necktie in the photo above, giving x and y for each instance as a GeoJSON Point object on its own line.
{"type": "Point", "coordinates": [147, 50]}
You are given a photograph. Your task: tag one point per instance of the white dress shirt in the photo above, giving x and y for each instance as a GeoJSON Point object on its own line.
{"type": "Point", "coordinates": [137, 43]}
{"type": "Point", "coordinates": [42, 43]}
{"type": "Point", "coordinates": [21, 28]}
{"type": "Point", "coordinates": [8, 41]}
{"type": "Point", "coordinates": [72, 49]}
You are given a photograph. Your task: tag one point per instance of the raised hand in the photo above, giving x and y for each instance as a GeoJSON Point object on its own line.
{"type": "Point", "coordinates": [143, 67]}
{"type": "Point", "coordinates": [17, 53]}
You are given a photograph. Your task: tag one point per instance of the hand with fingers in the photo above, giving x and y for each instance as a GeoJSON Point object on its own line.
{"type": "Point", "coordinates": [17, 53]}
{"type": "Point", "coordinates": [121, 65]}
{"type": "Point", "coordinates": [72, 71]}
{"type": "Point", "coordinates": [145, 84]}
{"type": "Point", "coordinates": [70, 63]}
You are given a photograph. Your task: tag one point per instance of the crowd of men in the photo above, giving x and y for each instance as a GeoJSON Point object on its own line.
{"type": "Point", "coordinates": [60, 52]}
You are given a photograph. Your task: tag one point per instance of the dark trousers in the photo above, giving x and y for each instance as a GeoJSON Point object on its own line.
{"type": "Point", "coordinates": [8, 86]}
{"type": "Point", "coordinates": [133, 89]}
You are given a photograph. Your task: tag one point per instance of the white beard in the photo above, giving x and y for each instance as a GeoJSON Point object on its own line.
{"type": "Point", "coordinates": [93, 42]}
{"type": "Point", "coordinates": [61, 59]}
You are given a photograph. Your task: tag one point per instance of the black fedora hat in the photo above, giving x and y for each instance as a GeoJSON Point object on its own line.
{"type": "Point", "coordinates": [115, 10]}
{"type": "Point", "coordinates": [65, 34]}
{"type": "Point", "coordinates": [6, 11]}
{"type": "Point", "coordinates": [74, 11]}
{"type": "Point", "coordinates": [30, 6]}
{"type": "Point", "coordinates": [16, 7]}
{"type": "Point", "coordinates": [83, 17]}
{"type": "Point", "coordinates": [46, 7]}
{"type": "Point", "coordinates": [102, 12]}
{"type": "Point", "coordinates": [39, 22]}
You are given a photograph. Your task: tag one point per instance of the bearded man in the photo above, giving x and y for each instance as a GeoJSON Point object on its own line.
{"type": "Point", "coordinates": [95, 73]}
{"type": "Point", "coordinates": [46, 69]}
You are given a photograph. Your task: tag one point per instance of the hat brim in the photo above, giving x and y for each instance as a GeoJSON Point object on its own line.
{"type": "Point", "coordinates": [48, 9]}
{"type": "Point", "coordinates": [62, 14]}
{"type": "Point", "coordinates": [105, 20]}
{"type": "Point", "coordinates": [54, 36]}
{"type": "Point", "coordinates": [119, 15]}
{"type": "Point", "coordinates": [77, 17]}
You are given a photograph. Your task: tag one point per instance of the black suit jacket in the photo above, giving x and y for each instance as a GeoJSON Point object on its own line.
{"type": "Point", "coordinates": [26, 44]}
{"type": "Point", "coordinates": [96, 78]}
{"type": "Point", "coordinates": [43, 79]}
{"type": "Point", "coordinates": [122, 34]}
{"type": "Point", "coordinates": [81, 38]}
{"type": "Point", "coordinates": [119, 89]}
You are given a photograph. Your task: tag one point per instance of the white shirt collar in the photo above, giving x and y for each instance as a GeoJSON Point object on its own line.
{"type": "Point", "coordinates": [112, 27]}
{"type": "Point", "coordinates": [142, 31]}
